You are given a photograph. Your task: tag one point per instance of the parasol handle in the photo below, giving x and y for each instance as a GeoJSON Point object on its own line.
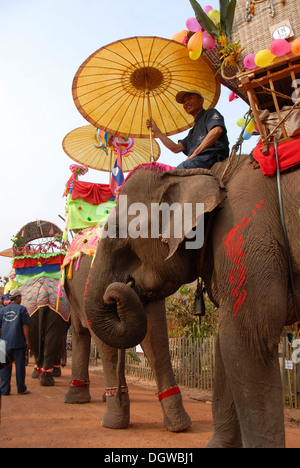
{"type": "Point", "coordinates": [110, 163]}
{"type": "Point", "coordinates": [150, 117]}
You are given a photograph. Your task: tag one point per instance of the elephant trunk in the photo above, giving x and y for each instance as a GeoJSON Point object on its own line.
{"type": "Point", "coordinates": [120, 321]}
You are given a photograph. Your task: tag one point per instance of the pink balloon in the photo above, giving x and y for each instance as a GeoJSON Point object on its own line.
{"type": "Point", "coordinates": [209, 42]}
{"type": "Point", "coordinates": [207, 9]}
{"type": "Point", "coordinates": [249, 61]}
{"type": "Point", "coordinates": [280, 47]}
{"type": "Point", "coordinates": [193, 25]}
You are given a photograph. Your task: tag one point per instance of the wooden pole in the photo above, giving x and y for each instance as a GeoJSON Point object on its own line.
{"type": "Point", "coordinates": [150, 117]}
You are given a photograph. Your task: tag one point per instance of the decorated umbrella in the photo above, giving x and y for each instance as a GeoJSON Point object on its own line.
{"type": "Point", "coordinates": [97, 149]}
{"type": "Point", "coordinates": [7, 253]}
{"type": "Point", "coordinates": [124, 83]}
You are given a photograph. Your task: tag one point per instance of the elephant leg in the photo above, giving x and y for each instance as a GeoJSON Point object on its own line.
{"type": "Point", "coordinates": [156, 348]}
{"type": "Point", "coordinates": [117, 412]}
{"type": "Point", "coordinates": [35, 373]}
{"type": "Point", "coordinates": [54, 328]}
{"type": "Point", "coordinates": [227, 432]}
{"type": "Point", "coordinates": [255, 384]}
{"type": "Point", "coordinates": [79, 392]}
{"type": "Point", "coordinates": [56, 368]}
{"type": "Point", "coordinates": [34, 343]}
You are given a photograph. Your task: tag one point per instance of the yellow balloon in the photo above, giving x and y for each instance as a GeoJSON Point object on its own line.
{"type": "Point", "coordinates": [195, 55]}
{"type": "Point", "coordinates": [215, 16]}
{"type": "Point", "coordinates": [264, 58]}
{"type": "Point", "coordinates": [250, 127]}
{"type": "Point", "coordinates": [195, 42]}
{"type": "Point", "coordinates": [241, 122]}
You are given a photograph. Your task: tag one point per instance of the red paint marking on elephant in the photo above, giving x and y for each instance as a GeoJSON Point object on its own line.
{"type": "Point", "coordinates": [236, 254]}
{"type": "Point", "coordinates": [237, 277]}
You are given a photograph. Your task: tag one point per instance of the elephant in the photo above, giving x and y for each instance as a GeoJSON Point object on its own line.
{"type": "Point", "coordinates": [48, 328]}
{"type": "Point", "coordinates": [243, 262]}
{"type": "Point", "coordinates": [155, 345]}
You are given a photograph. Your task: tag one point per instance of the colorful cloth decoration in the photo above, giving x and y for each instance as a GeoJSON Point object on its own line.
{"type": "Point", "coordinates": [22, 279]}
{"type": "Point", "coordinates": [89, 192]}
{"type": "Point", "coordinates": [152, 166]}
{"type": "Point", "coordinates": [84, 243]}
{"type": "Point", "coordinates": [83, 215]}
{"type": "Point", "coordinates": [42, 292]}
{"type": "Point", "coordinates": [38, 260]}
{"type": "Point", "coordinates": [288, 155]}
{"type": "Point", "coordinates": [38, 269]}
{"type": "Point", "coordinates": [30, 267]}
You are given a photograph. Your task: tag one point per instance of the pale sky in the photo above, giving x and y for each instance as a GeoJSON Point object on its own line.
{"type": "Point", "coordinates": [42, 44]}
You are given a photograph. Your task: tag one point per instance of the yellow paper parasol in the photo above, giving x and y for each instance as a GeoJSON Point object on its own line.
{"type": "Point", "coordinates": [97, 150]}
{"type": "Point", "coordinates": [7, 253]}
{"type": "Point", "coordinates": [124, 83]}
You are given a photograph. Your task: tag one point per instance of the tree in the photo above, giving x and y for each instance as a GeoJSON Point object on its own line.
{"type": "Point", "coordinates": [180, 308]}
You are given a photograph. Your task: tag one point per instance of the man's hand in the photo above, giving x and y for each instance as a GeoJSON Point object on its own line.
{"type": "Point", "coordinates": [167, 142]}
{"type": "Point", "coordinates": [151, 125]}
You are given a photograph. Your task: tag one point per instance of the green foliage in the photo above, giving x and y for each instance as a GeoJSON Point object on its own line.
{"type": "Point", "coordinates": [180, 308]}
{"type": "Point", "coordinates": [204, 20]}
{"type": "Point", "coordinates": [18, 241]}
{"type": "Point", "coordinates": [227, 10]}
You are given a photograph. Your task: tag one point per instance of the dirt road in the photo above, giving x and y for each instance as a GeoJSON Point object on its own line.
{"type": "Point", "coordinates": [42, 420]}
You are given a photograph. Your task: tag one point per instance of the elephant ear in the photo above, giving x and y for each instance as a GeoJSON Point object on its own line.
{"type": "Point", "coordinates": [188, 189]}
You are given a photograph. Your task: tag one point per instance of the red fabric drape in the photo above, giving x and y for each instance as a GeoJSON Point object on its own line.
{"type": "Point", "coordinates": [31, 262]}
{"type": "Point", "coordinates": [288, 154]}
{"type": "Point", "coordinates": [89, 192]}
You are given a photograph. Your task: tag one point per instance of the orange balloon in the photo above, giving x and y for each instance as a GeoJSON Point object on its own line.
{"type": "Point", "coordinates": [180, 36]}
{"type": "Point", "coordinates": [195, 42]}
{"type": "Point", "coordinates": [296, 47]}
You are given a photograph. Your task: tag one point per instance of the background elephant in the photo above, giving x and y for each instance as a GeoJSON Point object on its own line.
{"type": "Point", "coordinates": [245, 270]}
{"type": "Point", "coordinates": [48, 330]}
{"type": "Point", "coordinates": [155, 345]}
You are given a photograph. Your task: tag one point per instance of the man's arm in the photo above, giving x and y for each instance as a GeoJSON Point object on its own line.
{"type": "Point", "coordinates": [26, 334]}
{"type": "Point", "coordinates": [167, 142]}
{"type": "Point", "coordinates": [208, 141]}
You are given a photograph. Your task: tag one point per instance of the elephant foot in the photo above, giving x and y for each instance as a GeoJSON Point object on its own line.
{"type": "Point", "coordinates": [181, 423]}
{"type": "Point", "coordinates": [78, 393]}
{"type": "Point", "coordinates": [117, 413]}
{"type": "Point", "coordinates": [176, 418]}
{"type": "Point", "coordinates": [35, 374]}
{"type": "Point", "coordinates": [224, 442]}
{"type": "Point", "coordinates": [56, 371]}
{"type": "Point", "coordinates": [46, 379]}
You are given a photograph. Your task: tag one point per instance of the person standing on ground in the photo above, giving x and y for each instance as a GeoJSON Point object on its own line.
{"type": "Point", "coordinates": [14, 330]}
{"type": "Point", "coordinates": [207, 141]}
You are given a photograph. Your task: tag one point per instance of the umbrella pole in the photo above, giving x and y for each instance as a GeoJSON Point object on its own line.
{"type": "Point", "coordinates": [150, 117]}
{"type": "Point", "coordinates": [110, 164]}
